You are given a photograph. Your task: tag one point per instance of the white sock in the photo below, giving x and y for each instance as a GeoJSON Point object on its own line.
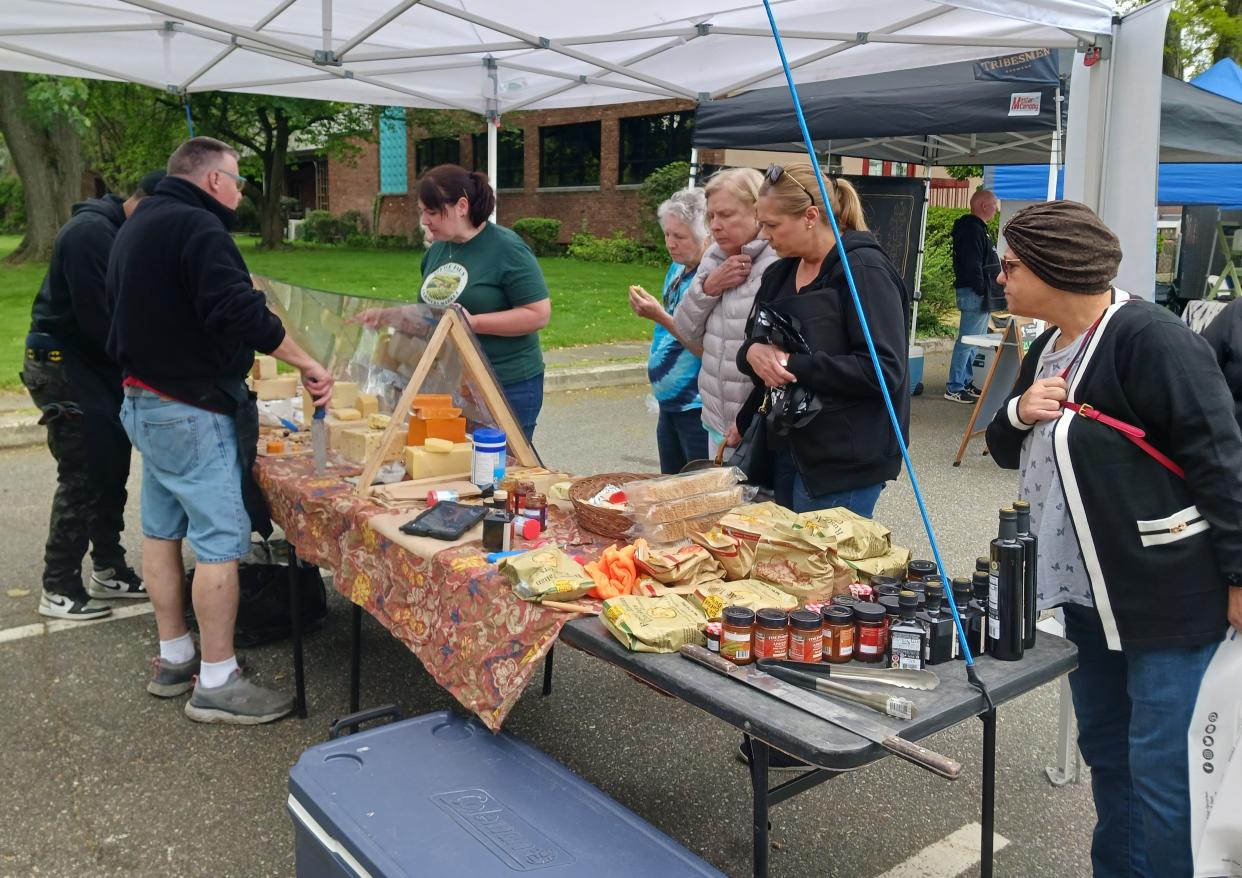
{"type": "Point", "coordinates": [178, 650]}
{"type": "Point", "coordinates": [214, 674]}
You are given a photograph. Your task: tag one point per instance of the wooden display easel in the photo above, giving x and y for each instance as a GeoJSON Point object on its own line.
{"type": "Point", "coordinates": [452, 330]}
{"type": "Point", "coordinates": [996, 386]}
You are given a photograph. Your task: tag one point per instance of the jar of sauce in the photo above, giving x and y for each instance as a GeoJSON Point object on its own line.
{"type": "Point", "coordinates": [879, 581]}
{"type": "Point", "coordinates": [917, 569]}
{"type": "Point", "coordinates": [888, 589]}
{"type": "Point", "coordinates": [845, 600]}
{"type": "Point", "coordinates": [523, 490]}
{"type": "Point", "coordinates": [712, 631]}
{"type": "Point", "coordinates": [736, 631]}
{"type": "Point", "coordinates": [838, 633]}
{"type": "Point", "coordinates": [869, 633]}
{"type": "Point", "coordinates": [771, 634]}
{"type": "Point", "coordinates": [806, 636]}
{"type": "Point", "coordinates": [537, 508]}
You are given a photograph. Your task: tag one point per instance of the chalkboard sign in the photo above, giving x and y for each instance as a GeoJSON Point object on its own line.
{"type": "Point", "coordinates": [1198, 249]}
{"type": "Point", "coordinates": [893, 207]}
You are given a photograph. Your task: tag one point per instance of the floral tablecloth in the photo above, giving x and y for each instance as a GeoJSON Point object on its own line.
{"type": "Point", "coordinates": [453, 610]}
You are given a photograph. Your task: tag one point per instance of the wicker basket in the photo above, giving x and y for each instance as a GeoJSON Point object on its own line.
{"type": "Point", "coordinates": [606, 522]}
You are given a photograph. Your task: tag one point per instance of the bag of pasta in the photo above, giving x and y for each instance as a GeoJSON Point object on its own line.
{"type": "Point", "coordinates": [855, 537]}
{"type": "Point", "coordinates": [660, 624]}
{"type": "Point", "coordinates": [546, 573]}
{"type": "Point", "coordinates": [735, 556]}
{"type": "Point", "coordinates": [713, 597]}
{"type": "Point", "coordinates": [686, 565]}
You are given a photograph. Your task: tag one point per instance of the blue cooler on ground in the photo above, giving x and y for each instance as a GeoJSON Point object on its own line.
{"type": "Point", "coordinates": [439, 795]}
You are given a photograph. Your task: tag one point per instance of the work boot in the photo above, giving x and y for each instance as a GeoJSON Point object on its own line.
{"type": "Point", "coordinates": [238, 702]}
{"type": "Point", "coordinates": [169, 679]}
{"type": "Point", "coordinates": [116, 582]}
{"type": "Point", "coordinates": [59, 606]}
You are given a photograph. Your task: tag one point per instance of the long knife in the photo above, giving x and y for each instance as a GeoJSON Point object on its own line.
{"type": "Point", "coordinates": [903, 678]}
{"type": "Point", "coordinates": [319, 439]}
{"type": "Point", "coordinates": [828, 711]}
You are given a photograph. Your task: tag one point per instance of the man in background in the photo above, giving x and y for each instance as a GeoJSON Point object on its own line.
{"type": "Point", "coordinates": [974, 262]}
{"type": "Point", "coordinates": [77, 386]}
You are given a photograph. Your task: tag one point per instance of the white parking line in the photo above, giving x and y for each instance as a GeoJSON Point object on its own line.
{"type": "Point", "coordinates": [53, 625]}
{"type": "Point", "coordinates": [947, 858]}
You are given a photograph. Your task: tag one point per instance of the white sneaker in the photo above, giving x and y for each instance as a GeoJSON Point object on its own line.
{"type": "Point", "coordinates": [112, 583]}
{"type": "Point", "coordinates": [58, 606]}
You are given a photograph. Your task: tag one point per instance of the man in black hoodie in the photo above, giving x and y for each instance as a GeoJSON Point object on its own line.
{"type": "Point", "coordinates": [187, 322]}
{"type": "Point", "coordinates": [974, 262]}
{"type": "Point", "coordinates": [78, 388]}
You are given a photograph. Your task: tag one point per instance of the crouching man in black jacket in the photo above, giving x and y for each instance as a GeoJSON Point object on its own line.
{"type": "Point", "coordinates": [1120, 426]}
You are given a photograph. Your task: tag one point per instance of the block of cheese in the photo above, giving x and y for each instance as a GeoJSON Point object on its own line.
{"type": "Point", "coordinates": [422, 464]}
{"type": "Point", "coordinates": [432, 400]}
{"type": "Point", "coordinates": [368, 404]}
{"type": "Point", "coordinates": [264, 367]}
{"type": "Point", "coordinates": [348, 414]}
{"type": "Point", "coordinates": [438, 446]}
{"type": "Point", "coordinates": [345, 395]}
{"type": "Point", "coordinates": [437, 413]}
{"type": "Point", "coordinates": [378, 422]}
{"type": "Point", "coordinates": [276, 388]}
{"type": "Point", "coordinates": [335, 428]}
{"type": "Point", "coordinates": [420, 430]}
{"type": "Point", "coordinates": [359, 445]}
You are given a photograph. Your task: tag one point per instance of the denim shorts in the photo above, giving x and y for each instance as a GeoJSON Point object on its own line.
{"type": "Point", "coordinates": [191, 476]}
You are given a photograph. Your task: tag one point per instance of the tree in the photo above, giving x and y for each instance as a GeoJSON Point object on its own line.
{"type": "Point", "coordinates": [132, 130]}
{"type": "Point", "coordinates": [262, 127]}
{"type": "Point", "coordinates": [41, 120]}
{"type": "Point", "coordinates": [1200, 33]}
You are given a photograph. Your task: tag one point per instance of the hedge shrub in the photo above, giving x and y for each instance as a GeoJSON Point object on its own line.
{"type": "Point", "coordinates": [541, 233]}
{"type": "Point", "coordinates": [12, 206]}
{"type": "Point", "coordinates": [617, 248]}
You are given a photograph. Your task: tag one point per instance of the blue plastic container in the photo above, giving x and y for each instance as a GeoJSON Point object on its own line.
{"type": "Point", "coordinates": [438, 795]}
{"type": "Point", "coordinates": [487, 464]}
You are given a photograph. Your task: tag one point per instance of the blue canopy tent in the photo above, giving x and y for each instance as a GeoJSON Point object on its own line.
{"type": "Point", "coordinates": [1183, 180]}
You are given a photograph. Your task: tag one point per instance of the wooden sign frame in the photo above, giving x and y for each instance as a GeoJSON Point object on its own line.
{"type": "Point", "coordinates": [452, 329]}
{"type": "Point", "coordinates": [996, 386]}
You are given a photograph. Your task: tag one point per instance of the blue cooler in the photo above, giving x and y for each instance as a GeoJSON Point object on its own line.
{"type": "Point", "coordinates": [439, 795]}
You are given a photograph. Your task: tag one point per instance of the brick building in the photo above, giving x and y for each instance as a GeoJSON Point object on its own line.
{"type": "Point", "coordinates": [582, 166]}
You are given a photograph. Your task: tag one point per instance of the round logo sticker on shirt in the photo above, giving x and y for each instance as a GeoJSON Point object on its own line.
{"type": "Point", "coordinates": [444, 285]}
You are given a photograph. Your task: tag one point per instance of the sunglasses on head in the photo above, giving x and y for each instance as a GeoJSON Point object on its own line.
{"type": "Point", "coordinates": [774, 174]}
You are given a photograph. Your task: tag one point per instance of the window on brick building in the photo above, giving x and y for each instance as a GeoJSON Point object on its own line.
{"type": "Point", "coordinates": [651, 142]}
{"type": "Point", "coordinates": [510, 166]}
{"type": "Point", "coordinates": [873, 168]}
{"type": "Point", "coordinates": [432, 151]}
{"type": "Point", "coordinates": [901, 169]}
{"type": "Point", "coordinates": [394, 178]}
{"type": "Point", "coordinates": [569, 155]}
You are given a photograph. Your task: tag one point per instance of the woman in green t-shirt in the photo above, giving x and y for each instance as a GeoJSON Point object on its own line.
{"type": "Point", "coordinates": [492, 274]}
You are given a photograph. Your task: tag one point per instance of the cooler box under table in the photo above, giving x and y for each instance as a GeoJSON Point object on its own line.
{"type": "Point", "coordinates": [438, 795]}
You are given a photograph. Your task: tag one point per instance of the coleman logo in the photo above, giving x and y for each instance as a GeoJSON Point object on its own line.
{"type": "Point", "coordinates": [1024, 103]}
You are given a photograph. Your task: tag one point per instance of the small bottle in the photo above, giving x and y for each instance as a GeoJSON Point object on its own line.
{"type": "Point", "coordinates": [1005, 600]}
{"type": "Point", "coordinates": [892, 614]}
{"type": "Point", "coordinates": [941, 643]}
{"type": "Point", "coordinates": [917, 569]}
{"type": "Point", "coordinates": [907, 638]}
{"type": "Point", "coordinates": [806, 636]}
{"type": "Point", "coordinates": [712, 632]}
{"type": "Point", "coordinates": [771, 634]}
{"type": "Point", "coordinates": [838, 633]}
{"type": "Point", "coordinates": [919, 587]}
{"type": "Point", "coordinates": [525, 528]}
{"type": "Point", "coordinates": [869, 633]}
{"type": "Point", "coordinates": [982, 563]}
{"type": "Point", "coordinates": [963, 597]}
{"type": "Point", "coordinates": [980, 585]}
{"type": "Point", "coordinates": [537, 508]}
{"type": "Point", "coordinates": [497, 531]}
{"type": "Point", "coordinates": [500, 500]}
{"type": "Point", "coordinates": [523, 488]}
{"type": "Point", "coordinates": [888, 590]}
{"type": "Point", "coordinates": [736, 632]}
{"type": "Point", "coordinates": [1030, 573]}
{"type": "Point", "coordinates": [507, 488]}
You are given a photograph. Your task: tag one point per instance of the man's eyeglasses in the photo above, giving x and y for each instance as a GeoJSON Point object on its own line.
{"type": "Point", "coordinates": [237, 178]}
{"type": "Point", "coordinates": [774, 174]}
{"type": "Point", "coordinates": [1008, 265]}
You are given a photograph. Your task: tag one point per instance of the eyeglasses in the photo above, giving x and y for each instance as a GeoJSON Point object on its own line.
{"type": "Point", "coordinates": [237, 178]}
{"type": "Point", "coordinates": [774, 174]}
{"type": "Point", "coordinates": [1008, 265]}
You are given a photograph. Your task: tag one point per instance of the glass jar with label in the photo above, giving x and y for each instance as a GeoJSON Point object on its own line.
{"type": "Point", "coordinates": [736, 632]}
{"type": "Point", "coordinates": [869, 633]}
{"type": "Point", "coordinates": [838, 633]}
{"type": "Point", "coordinates": [537, 508]}
{"type": "Point", "coordinates": [771, 634]}
{"type": "Point", "coordinates": [806, 636]}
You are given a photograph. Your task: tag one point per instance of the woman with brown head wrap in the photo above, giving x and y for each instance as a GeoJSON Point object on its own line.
{"type": "Point", "coordinates": [1120, 425]}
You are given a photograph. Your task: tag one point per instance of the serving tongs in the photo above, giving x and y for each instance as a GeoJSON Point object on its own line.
{"type": "Point", "coordinates": [903, 678]}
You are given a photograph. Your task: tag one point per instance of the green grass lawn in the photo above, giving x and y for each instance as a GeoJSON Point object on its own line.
{"type": "Point", "coordinates": [589, 302]}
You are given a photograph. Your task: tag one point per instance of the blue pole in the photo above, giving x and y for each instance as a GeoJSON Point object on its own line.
{"type": "Point", "coordinates": [189, 120]}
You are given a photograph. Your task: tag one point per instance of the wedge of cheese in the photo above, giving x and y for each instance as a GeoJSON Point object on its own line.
{"type": "Point", "coordinates": [378, 422]}
{"type": "Point", "coordinates": [438, 446]}
{"type": "Point", "coordinates": [358, 445]}
{"type": "Point", "coordinates": [276, 388]}
{"type": "Point", "coordinates": [422, 464]}
{"type": "Point", "coordinates": [345, 395]}
{"type": "Point", "coordinates": [348, 414]}
{"type": "Point", "coordinates": [264, 367]}
{"type": "Point", "coordinates": [368, 404]}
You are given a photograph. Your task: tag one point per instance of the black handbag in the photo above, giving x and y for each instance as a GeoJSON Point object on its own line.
{"type": "Point", "coordinates": [994, 299]}
{"type": "Point", "coordinates": [751, 455]}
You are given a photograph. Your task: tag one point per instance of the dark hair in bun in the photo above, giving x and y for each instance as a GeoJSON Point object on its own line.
{"type": "Point", "coordinates": [444, 185]}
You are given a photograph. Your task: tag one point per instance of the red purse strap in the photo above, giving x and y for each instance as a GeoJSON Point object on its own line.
{"type": "Point", "coordinates": [1131, 432]}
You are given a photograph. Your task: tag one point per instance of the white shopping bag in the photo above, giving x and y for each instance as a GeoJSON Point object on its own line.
{"type": "Point", "coordinates": [1216, 766]}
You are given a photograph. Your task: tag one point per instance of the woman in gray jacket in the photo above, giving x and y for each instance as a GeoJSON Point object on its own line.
{"type": "Point", "coordinates": [713, 311]}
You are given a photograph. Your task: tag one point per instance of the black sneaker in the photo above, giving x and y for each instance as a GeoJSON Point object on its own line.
{"type": "Point", "coordinates": [118, 582]}
{"type": "Point", "coordinates": [59, 606]}
{"type": "Point", "coordinates": [778, 760]}
{"type": "Point", "coordinates": [959, 396]}
{"type": "Point", "coordinates": [972, 391]}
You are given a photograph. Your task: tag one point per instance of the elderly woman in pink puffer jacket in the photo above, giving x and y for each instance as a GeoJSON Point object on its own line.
{"type": "Point", "coordinates": [714, 310]}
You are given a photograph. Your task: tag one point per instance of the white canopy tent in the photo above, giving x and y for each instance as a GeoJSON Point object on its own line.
{"type": "Point", "coordinates": [497, 56]}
